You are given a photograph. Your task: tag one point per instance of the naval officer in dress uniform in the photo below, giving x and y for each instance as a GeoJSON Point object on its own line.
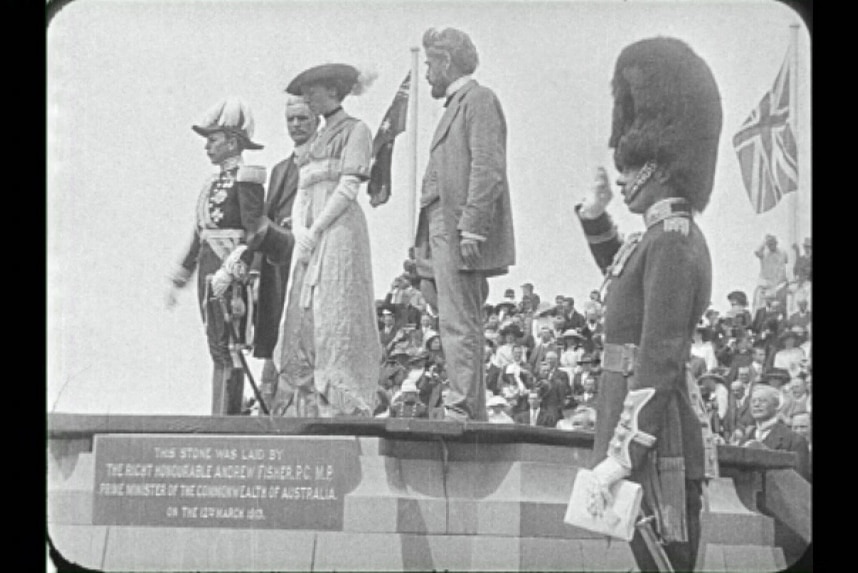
{"type": "Point", "coordinates": [230, 227]}
{"type": "Point", "coordinates": [666, 125]}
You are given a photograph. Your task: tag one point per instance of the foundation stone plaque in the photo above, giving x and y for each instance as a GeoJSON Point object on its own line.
{"type": "Point", "coordinates": [272, 482]}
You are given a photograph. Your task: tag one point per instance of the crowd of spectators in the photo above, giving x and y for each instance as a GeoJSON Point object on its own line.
{"type": "Point", "coordinates": [543, 358]}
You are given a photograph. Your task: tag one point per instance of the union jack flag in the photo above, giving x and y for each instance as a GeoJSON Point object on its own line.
{"type": "Point", "coordinates": [768, 156]}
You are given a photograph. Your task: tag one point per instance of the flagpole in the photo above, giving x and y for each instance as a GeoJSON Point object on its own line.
{"type": "Point", "coordinates": [793, 96]}
{"type": "Point", "coordinates": [412, 145]}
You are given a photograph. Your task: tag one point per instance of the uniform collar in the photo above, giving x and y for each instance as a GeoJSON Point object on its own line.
{"type": "Point", "coordinates": [666, 209]}
{"type": "Point", "coordinates": [231, 163]}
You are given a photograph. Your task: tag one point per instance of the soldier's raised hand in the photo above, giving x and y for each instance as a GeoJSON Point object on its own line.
{"type": "Point", "coordinates": [598, 196]}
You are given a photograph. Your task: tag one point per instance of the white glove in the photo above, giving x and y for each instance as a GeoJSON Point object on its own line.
{"type": "Point", "coordinates": [607, 473]}
{"type": "Point", "coordinates": [221, 281]}
{"type": "Point", "coordinates": [598, 196]}
{"type": "Point", "coordinates": [234, 265]}
{"type": "Point", "coordinates": [307, 240]}
{"type": "Point", "coordinates": [302, 253]}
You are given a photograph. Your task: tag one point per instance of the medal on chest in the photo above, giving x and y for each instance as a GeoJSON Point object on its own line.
{"type": "Point", "coordinates": [218, 194]}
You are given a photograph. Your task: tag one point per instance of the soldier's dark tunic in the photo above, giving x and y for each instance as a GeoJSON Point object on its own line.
{"type": "Point", "coordinates": [228, 212]}
{"type": "Point", "coordinates": [658, 285]}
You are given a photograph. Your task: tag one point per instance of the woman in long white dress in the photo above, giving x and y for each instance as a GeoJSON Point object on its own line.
{"type": "Point", "coordinates": [328, 349]}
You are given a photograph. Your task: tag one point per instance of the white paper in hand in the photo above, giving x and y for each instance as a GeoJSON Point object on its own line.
{"type": "Point", "coordinates": [618, 520]}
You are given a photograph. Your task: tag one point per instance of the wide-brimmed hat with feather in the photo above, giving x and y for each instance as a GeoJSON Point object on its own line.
{"type": "Point", "coordinates": [345, 78]}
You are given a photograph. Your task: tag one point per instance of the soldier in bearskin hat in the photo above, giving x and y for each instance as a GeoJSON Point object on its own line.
{"type": "Point", "coordinates": [666, 125]}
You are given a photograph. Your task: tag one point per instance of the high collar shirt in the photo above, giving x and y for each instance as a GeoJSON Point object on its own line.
{"type": "Point", "coordinates": [456, 85]}
{"type": "Point", "coordinates": [763, 428]}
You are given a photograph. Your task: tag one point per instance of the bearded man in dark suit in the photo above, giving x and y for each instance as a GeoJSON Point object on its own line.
{"type": "Point", "coordinates": [465, 232]}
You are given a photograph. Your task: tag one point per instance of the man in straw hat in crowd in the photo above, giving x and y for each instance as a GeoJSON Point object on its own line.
{"type": "Point", "coordinates": [230, 227]}
{"type": "Point", "coordinates": [666, 125]}
{"type": "Point", "coordinates": [465, 231]}
{"type": "Point", "coordinates": [328, 350]}
{"type": "Point", "coordinates": [301, 124]}
{"type": "Point", "coordinates": [497, 407]}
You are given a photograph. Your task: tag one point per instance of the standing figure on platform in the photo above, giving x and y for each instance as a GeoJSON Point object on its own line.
{"type": "Point", "coordinates": [666, 125]}
{"type": "Point", "coordinates": [328, 350]}
{"type": "Point", "coordinates": [301, 124]}
{"type": "Point", "coordinates": [464, 233]}
{"type": "Point", "coordinates": [230, 226]}
{"type": "Point", "coordinates": [773, 273]}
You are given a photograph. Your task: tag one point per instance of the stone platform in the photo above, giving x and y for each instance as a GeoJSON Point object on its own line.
{"type": "Point", "coordinates": [404, 495]}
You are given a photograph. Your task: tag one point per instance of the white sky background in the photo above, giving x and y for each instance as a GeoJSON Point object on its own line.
{"type": "Point", "coordinates": [126, 80]}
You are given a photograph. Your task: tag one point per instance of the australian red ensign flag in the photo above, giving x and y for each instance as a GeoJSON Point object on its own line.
{"type": "Point", "coordinates": [382, 145]}
{"type": "Point", "coordinates": [766, 146]}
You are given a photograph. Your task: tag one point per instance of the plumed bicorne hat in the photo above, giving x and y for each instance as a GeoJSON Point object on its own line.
{"type": "Point", "coordinates": [230, 115]}
{"type": "Point", "coordinates": [667, 109]}
{"type": "Point", "coordinates": [347, 79]}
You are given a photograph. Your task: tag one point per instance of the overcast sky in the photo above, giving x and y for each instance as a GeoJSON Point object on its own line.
{"type": "Point", "coordinates": [126, 80]}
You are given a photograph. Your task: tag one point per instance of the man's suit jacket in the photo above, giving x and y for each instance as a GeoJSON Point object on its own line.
{"type": "Point", "coordinates": [782, 438]}
{"type": "Point", "coordinates": [575, 320]}
{"type": "Point", "coordinates": [467, 163]}
{"type": "Point", "coordinates": [537, 355]}
{"type": "Point", "coordinates": [545, 418]}
{"type": "Point", "coordinates": [763, 316]}
{"type": "Point", "coordinates": [387, 337]}
{"type": "Point", "coordinates": [737, 417]}
{"type": "Point", "coordinates": [273, 279]}
{"type": "Point", "coordinates": [559, 389]}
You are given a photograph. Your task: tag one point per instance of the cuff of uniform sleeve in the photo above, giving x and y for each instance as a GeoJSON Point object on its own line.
{"type": "Point", "coordinates": [598, 230]}
{"type": "Point", "coordinates": [180, 275]}
{"type": "Point", "coordinates": [474, 236]}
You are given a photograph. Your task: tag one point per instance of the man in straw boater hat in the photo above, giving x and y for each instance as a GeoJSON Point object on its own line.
{"type": "Point", "coordinates": [230, 227]}
{"type": "Point", "coordinates": [666, 124]}
{"type": "Point", "coordinates": [301, 124]}
{"type": "Point", "coordinates": [328, 351]}
{"type": "Point", "coordinates": [464, 233]}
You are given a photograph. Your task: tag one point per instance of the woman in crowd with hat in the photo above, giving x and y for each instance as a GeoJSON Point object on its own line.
{"type": "Point", "coordinates": [230, 225]}
{"type": "Point", "coordinates": [330, 349]}
{"type": "Point", "coordinates": [573, 342]}
{"type": "Point", "coordinates": [739, 316]}
{"type": "Point", "coordinates": [790, 354]}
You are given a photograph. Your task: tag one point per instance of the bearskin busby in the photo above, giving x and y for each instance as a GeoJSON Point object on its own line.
{"type": "Point", "coordinates": [667, 110]}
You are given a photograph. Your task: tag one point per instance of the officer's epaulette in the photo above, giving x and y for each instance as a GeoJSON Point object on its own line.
{"type": "Point", "coordinates": [251, 174]}
{"type": "Point", "coordinates": [680, 225]}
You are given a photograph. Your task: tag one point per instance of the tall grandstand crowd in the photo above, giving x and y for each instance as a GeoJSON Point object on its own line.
{"type": "Point", "coordinates": [542, 357]}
